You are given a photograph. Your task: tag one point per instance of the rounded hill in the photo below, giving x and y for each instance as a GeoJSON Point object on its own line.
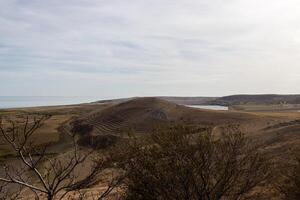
{"type": "Point", "coordinates": [142, 115]}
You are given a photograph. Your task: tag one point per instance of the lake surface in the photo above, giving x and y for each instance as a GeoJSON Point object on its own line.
{"type": "Point", "coordinates": [209, 107]}
{"type": "Point", "coordinates": [32, 101]}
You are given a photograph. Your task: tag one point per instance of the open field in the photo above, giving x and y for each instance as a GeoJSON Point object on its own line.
{"type": "Point", "coordinates": [277, 129]}
{"type": "Point", "coordinates": [142, 115]}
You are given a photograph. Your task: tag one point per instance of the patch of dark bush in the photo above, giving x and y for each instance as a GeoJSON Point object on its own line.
{"type": "Point", "coordinates": [98, 141]}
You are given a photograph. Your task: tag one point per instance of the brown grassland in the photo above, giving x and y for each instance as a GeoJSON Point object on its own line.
{"type": "Point", "coordinates": [277, 131]}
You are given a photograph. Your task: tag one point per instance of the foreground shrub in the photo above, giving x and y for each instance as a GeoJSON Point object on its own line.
{"type": "Point", "coordinates": [290, 187]}
{"type": "Point", "coordinates": [177, 163]}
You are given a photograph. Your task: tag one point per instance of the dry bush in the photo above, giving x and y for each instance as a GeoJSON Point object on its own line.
{"type": "Point", "coordinates": [178, 163]}
{"type": "Point", "coordinates": [81, 128]}
{"type": "Point", "coordinates": [98, 141]}
{"type": "Point", "coordinates": [290, 186]}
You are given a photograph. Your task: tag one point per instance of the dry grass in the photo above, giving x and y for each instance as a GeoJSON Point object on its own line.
{"type": "Point", "coordinates": [144, 114]}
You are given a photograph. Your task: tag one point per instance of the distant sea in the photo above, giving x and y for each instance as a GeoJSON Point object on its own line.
{"type": "Point", "coordinates": [32, 101]}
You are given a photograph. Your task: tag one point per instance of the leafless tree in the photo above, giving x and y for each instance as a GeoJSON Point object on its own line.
{"type": "Point", "coordinates": [177, 163]}
{"type": "Point", "coordinates": [45, 175]}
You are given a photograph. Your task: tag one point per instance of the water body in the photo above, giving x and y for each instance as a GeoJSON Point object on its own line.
{"type": "Point", "coordinates": [33, 101]}
{"type": "Point", "coordinates": [209, 107]}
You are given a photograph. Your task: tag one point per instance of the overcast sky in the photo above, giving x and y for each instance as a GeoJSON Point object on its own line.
{"type": "Point", "coordinates": [118, 48]}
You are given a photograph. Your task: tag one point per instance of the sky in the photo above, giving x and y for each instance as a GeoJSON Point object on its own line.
{"type": "Point", "coordinates": [118, 48]}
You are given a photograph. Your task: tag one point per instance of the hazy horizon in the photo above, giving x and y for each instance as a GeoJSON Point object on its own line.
{"type": "Point", "coordinates": [115, 48]}
{"type": "Point", "coordinates": [137, 96]}
{"type": "Point", "coordinates": [8, 102]}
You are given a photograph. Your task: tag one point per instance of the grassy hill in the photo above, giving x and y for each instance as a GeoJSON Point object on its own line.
{"type": "Point", "coordinates": [263, 99]}
{"type": "Point", "coordinates": [256, 99]}
{"type": "Point", "coordinates": [189, 100]}
{"type": "Point", "coordinates": [144, 114]}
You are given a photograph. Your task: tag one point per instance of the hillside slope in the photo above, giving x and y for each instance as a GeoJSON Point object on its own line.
{"type": "Point", "coordinates": [144, 114]}
{"type": "Point", "coordinates": [189, 100]}
{"type": "Point", "coordinates": [263, 99]}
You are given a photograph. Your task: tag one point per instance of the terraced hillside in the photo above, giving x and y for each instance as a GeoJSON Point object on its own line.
{"type": "Point", "coordinates": [144, 114]}
{"type": "Point", "coordinates": [138, 114]}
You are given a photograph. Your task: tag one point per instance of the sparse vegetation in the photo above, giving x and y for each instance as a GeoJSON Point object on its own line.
{"type": "Point", "coordinates": [98, 142]}
{"type": "Point", "coordinates": [46, 176]}
{"type": "Point", "coordinates": [178, 163]}
{"type": "Point", "coordinates": [166, 164]}
{"type": "Point", "coordinates": [290, 186]}
{"type": "Point", "coordinates": [78, 127]}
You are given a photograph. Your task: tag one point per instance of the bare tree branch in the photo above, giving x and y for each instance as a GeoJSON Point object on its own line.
{"type": "Point", "coordinates": [57, 177]}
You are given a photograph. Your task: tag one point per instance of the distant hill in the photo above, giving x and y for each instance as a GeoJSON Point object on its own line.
{"type": "Point", "coordinates": [224, 101]}
{"type": "Point", "coordinates": [256, 99]}
{"type": "Point", "coordinates": [189, 100]}
{"type": "Point", "coordinates": [144, 114]}
{"type": "Point", "coordinates": [177, 100]}
{"type": "Point", "coordinates": [140, 114]}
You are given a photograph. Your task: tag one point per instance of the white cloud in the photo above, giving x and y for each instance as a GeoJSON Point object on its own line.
{"type": "Point", "coordinates": [149, 47]}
